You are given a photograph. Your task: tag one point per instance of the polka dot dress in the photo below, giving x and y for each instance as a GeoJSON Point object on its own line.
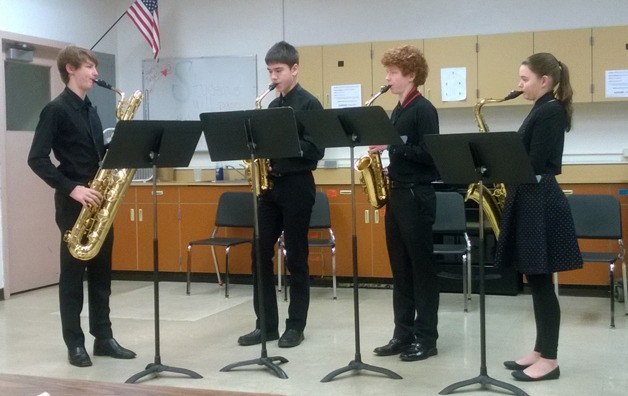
{"type": "Point", "coordinates": [537, 234]}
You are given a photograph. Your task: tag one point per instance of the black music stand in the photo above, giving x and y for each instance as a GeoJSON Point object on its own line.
{"type": "Point", "coordinates": [253, 134]}
{"type": "Point", "coordinates": [496, 157]}
{"type": "Point", "coordinates": [354, 126]}
{"type": "Point", "coordinates": [154, 144]}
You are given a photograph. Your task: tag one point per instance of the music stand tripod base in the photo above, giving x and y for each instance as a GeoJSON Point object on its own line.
{"type": "Point", "coordinates": [356, 365]}
{"type": "Point", "coordinates": [262, 361]}
{"type": "Point", "coordinates": [157, 368]}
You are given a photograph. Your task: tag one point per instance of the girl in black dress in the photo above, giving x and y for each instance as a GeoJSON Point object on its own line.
{"type": "Point", "coordinates": [537, 234]}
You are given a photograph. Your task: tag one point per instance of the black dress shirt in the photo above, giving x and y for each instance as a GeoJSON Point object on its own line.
{"type": "Point", "coordinates": [70, 128]}
{"type": "Point", "coordinates": [543, 134]}
{"type": "Point", "coordinates": [298, 99]}
{"type": "Point", "coordinates": [411, 162]}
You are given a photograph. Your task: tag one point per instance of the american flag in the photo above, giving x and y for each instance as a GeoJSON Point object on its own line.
{"type": "Point", "coordinates": [145, 15]}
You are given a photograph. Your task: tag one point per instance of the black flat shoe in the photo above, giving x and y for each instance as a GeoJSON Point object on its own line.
{"type": "Point", "coordinates": [290, 338]}
{"type": "Point", "coordinates": [110, 347]}
{"type": "Point", "coordinates": [512, 365]}
{"type": "Point", "coordinates": [255, 337]}
{"type": "Point", "coordinates": [418, 351]}
{"type": "Point", "coordinates": [521, 376]}
{"type": "Point", "coordinates": [78, 357]}
{"type": "Point", "coordinates": [394, 347]}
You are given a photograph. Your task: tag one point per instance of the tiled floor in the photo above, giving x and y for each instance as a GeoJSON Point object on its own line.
{"type": "Point", "coordinates": [199, 333]}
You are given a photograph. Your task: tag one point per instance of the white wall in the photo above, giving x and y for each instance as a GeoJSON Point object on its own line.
{"type": "Point", "coordinates": [250, 27]}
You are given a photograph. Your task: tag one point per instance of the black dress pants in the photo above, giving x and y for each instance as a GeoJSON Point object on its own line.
{"type": "Point", "coordinates": [286, 207]}
{"type": "Point", "coordinates": [410, 214]}
{"type": "Point", "coordinates": [71, 276]}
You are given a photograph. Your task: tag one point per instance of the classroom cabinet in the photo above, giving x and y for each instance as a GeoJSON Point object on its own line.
{"type": "Point", "coordinates": [610, 54]}
{"type": "Point", "coordinates": [347, 64]}
{"type": "Point", "coordinates": [311, 70]}
{"type": "Point", "coordinates": [499, 58]}
{"type": "Point", "coordinates": [455, 59]}
{"type": "Point", "coordinates": [486, 65]}
{"type": "Point", "coordinates": [187, 213]}
{"type": "Point", "coordinates": [572, 47]}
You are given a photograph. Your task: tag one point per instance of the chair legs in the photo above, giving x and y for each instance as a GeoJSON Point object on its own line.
{"type": "Point", "coordinates": [220, 282]}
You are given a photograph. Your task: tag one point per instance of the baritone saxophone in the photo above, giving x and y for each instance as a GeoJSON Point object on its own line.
{"type": "Point", "coordinates": [262, 165]}
{"type": "Point", "coordinates": [372, 177]}
{"type": "Point", "coordinates": [85, 239]}
{"type": "Point", "coordinates": [493, 199]}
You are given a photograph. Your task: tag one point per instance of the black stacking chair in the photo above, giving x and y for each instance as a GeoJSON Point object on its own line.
{"type": "Point", "coordinates": [599, 217]}
{"type": "Point", "coordinates": [235, 209]}
{"type": "Point", "coordinates": [320, 221]}
{"type": "Point", "coordinates": [451, 220]}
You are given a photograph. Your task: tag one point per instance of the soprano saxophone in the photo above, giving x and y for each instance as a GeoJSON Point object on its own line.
{"type": "Point", "coordinates": [85, 239]}
{"type": "Point", "coordinates": [372, 177]}
{"type": "Point", "coordinates": [262, 165]}
{"type": "Point", "coordinates": [492, 199]}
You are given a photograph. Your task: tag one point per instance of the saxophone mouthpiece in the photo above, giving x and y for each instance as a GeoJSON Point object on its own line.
{"type": "Point", "coordinates": [384, 88]}
{"type": "Point", "coordinates": [103, 83]}
{"type": "Point", "coordinates": [271, 86]}
{"type": "Point", "coordinates": [513, 94]}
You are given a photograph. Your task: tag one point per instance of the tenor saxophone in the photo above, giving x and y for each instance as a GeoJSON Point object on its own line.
{"type": "Point", "coordinates": [493, 199]}
{"type": "Point", "coordinates": [374, 181]}
{"type": "Point", "coordinates": [262, 165]}
{"type": "Point", "coordinates": [85, 239]}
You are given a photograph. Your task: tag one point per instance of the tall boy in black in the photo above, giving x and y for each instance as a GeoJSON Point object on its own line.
{"type": "Point", "coordinates": [70, 127]}
{"type": "Point", "coordinates": [286, 207]}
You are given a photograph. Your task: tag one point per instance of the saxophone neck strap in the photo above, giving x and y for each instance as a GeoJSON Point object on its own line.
{"type": "Point", "coordinates": [410, 97]}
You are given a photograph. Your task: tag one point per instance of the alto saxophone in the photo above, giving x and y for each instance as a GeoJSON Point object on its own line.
{"type": "Point", "coordinates": [262, 165]}
{"type": "Point", "coordinates": [85, 239]}
{"type": "Point", "coordinates": [492, 199]}
{"type": "Point", "coordinates": [374, 181]}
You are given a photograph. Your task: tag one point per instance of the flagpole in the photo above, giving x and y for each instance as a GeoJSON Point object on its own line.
{"type": "Point", "coordinates": [111, 27]}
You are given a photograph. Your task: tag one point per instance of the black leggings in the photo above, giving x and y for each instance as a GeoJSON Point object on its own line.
{"type": "Point", "coordinates": [546, 314]}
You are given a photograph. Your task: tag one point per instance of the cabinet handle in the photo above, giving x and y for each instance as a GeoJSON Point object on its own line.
{"type": "Point", "coordinates": [132, 214]}
{"type": "Point", "coordinates": [158, 192]}
{"type": "Point", "coordinates": [366, 216]}
{"type": "Point", "coordinates": [376, 216]}
{"type": "Point", "coordinates": [140, 215]}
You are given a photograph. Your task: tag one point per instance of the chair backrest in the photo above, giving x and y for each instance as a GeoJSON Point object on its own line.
{"type": "Point", "coordinates": [450, 213]}
{"type": "Point", "coordinates": [320, 212]}
{"type": "Point", "coordinates": [235, 209]}
{"type": "Point", "coordinates": [596, 216]}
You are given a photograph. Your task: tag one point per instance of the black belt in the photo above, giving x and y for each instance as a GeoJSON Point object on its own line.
{"type": "Point", "coordinates": [396, 184]}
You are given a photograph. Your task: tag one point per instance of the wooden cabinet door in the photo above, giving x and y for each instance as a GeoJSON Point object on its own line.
{"type": "Point", "coordinates": [381, 262]}
{"type": "Point", "coordinates": [124, 255]}
{"type": "Point", "coordinates": [610, 52]}
{"type": "Point", "coordinates": [388, 100]}
{"type": "Point", "coordinates": [456, 58]}
{"type": "Point", "coordinates": [499, 58]}
{"type": "Point", "coordinates": [311, 70]}
{"type": "Point", "coordinates": [167, 229]}
{"type": "Point", "coordinates": [347, 64]}
{"type": "Point", "coordinates": [572, 47]}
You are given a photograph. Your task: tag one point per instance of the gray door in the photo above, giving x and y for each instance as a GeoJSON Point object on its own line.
{"type": "Point", "coordinates": [33, 239]}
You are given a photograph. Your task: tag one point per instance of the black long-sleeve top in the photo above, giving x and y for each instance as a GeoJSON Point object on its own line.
{"type": "Point", "coordinates": [411, 162]}
{"type": "Point", "coordinates": [543, 134]}
{"type": "Point", "coordinates": [69, 127]}
{"type": "Point", "coordinates": [298, 99]}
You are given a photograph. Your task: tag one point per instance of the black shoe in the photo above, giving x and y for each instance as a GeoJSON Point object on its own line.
{"type": "Point", "coordinates": [255, 337]}
{"type": "Point", "coordinates": [521, 376]}
{"type": "Point", "coordinates": [418, 351]}
{"type": "Point", "coordinates": [290, 338]}
{"type": "Point", "coordinates": [394, 347]}
{"type": "Point", "coordinates": [78, 357]}
{"type": "Point", "coordinates": [110, 347]}
{"type": "Point", "coordinates": [512, 365]}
